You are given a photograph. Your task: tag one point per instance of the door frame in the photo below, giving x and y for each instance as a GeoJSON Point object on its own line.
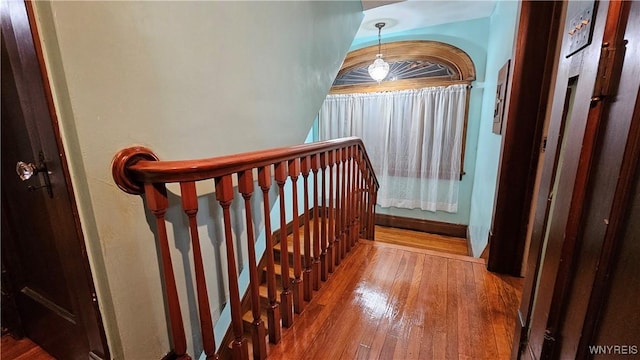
{"type": "Point", "coordinates": [534, 62]}
{"type": "Point", "coordinates": [565, 261]}
{"type": "Point", "coordinates": [90, 310]}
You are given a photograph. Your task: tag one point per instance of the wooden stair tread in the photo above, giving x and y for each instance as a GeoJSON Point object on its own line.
{"type": "Point", "coordinates": [278, 247]}
{"type": "Point", "coordinates": [278, 270]}
{"type": "Point", "coordinates": [247, 317]}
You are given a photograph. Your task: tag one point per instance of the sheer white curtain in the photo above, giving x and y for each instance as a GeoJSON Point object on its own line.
{"type": "Point", "coordinates": [414, 140]}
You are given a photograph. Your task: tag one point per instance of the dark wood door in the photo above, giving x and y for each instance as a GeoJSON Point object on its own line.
{"type": "Point", "coordinates": [576, 217]}
{"type": "Point", "coordinates": [42, 247]}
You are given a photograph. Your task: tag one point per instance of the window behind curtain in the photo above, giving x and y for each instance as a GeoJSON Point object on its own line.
{"type": "Point", "coordinates": [413, 137]}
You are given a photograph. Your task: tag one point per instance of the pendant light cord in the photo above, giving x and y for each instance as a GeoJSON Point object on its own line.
{"type": "Point", "coordinates": [380, 25]}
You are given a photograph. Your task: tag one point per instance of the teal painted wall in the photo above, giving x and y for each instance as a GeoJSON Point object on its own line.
{"type": "Point", "coordinates": [489, 42]}
{"type": "Point", "coordinates": [499, 50]}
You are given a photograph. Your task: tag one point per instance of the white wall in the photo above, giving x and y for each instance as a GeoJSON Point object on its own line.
{"type": "Point", "coordinates": [189, 80]}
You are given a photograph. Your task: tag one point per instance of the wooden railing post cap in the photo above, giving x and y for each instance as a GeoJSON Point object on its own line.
{"type": "Point", "coordinates": [125, 158]}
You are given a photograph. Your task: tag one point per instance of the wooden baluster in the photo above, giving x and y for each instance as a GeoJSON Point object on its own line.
{"type": "Point", "coordinates": [324, 271]}
{"type": "Point", "coordinates": [156, 195]}
{"type": "Point", "coordinates": [315, 164]}
{"type": "Point", "coordinates": [296, 284]}
{"type": "Point", "coordinates": [365, 177]}
{"type": "Point", "coordinates": [363, 218]}
{"type": "Point", "coordinates": [306, 275]}
{"type": "Point", "coordinates": [354, 199]}
{"type": "Point", "coordinates": [258, 332]}
{"type": "Point", "coordinates": [345, 224]}
{"type": "Point", "coordinates": [372, 210]}
{"type": "Point", "coordinates": [273, 310]}
{"type": "Point", "coordinates": [345, 196]}
{"type": "Point", "coordinates": [367, 199]}
{"type": "Point", "coordinates": [363, 205]}
{"type": "Point", "coordinates": [373, 213]}
{"type": "Point", "coordinates": [286, 297]}
{"type": "Point", "coordinates": [224, 195]}
{"type": "Point", "coordinates": [360, 218]}
{"type": "Point", "coordinates": [331, 230]}
{"type": "Point", "coordinates": [363, 198]}
{"type": "Point", "coordinates": [343, 205]}
{"type": "Point", "coordinates": [190, 207]}
{"type": "Point", "coordinates": [349, 200]}
{"type": "Point", "coordinates": [337, 246]}
{"type": "Point", "coordinates": [371, 205]}
{"type": "Point", "coordinates": [356, 195]}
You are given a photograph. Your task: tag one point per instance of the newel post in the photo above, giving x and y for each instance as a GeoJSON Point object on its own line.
{"type": "Point", "coordinates": [156, 196]}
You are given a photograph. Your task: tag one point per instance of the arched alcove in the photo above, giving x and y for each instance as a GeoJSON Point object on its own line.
{"type": "Point", "coordinates": [413, 64]}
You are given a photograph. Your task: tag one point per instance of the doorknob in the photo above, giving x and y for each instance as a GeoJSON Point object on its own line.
{"type": "Point", "coordinates": [26, 170]}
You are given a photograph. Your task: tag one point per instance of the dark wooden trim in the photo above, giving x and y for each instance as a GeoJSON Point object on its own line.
{"type": "Point", "coordinates": [485, 253]}
{"type": "Point", "coordinates": [163, 171]}
{"type": "Point", "coordinates": [434, 51]}
{"type": "Point", "coordinates": [532, 77]}
{"type": "Point", "coordinates": [583, 187]}
{"type": "Point", "coordinates": [549, 173]}
{"type": "Point", "coordinates": [469, 247]}
{"type": "Point", "coordinates": [612, 242]}
{"type": "Point", "coordinates": [434, 227]}
{"type": "Point", "coordinates": [396, 85]}
{"type": "Point", "coordinates": [94, 327]}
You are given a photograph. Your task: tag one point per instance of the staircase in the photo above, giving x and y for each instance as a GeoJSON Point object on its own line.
{"type": "Point", "coordinates": [311, 279]}
{"type": "Point", "coordinates": [338, 211]}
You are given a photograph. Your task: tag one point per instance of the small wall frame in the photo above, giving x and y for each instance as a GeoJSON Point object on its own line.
{"type": "Point", "coordinates": [501, 92]}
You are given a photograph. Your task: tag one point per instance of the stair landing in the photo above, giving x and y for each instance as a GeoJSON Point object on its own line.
{"type": "Point", "coordinates": [394, 302]}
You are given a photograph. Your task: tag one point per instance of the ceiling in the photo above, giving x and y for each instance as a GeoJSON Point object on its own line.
{"type": "Point", "coordinates": [414, 14]}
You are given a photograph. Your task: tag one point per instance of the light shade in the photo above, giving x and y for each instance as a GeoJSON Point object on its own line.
{"type": "Point", "coordinates": [379, 69]}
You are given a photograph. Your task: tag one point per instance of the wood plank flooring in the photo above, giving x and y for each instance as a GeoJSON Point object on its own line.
{"type": "Point", "coordinates": [394, 302]}
{"type": "Point", "coordinates": [412, 238]}
{"type": "Point", "coordinates": [422, 240]}
{"type": "Point", "coordinates": [23, 349]}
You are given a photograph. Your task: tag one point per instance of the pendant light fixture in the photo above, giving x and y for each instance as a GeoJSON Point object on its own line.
{"type": "Point", "coordinates": [379, 69]}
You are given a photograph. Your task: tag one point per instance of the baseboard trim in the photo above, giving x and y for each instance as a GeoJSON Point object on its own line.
{"type": "Point", "coordinates": [485, 251]}
{"type": "Point", "coordinates": [469, 247]}
{"type": "Point", "coordinates": [430, 226]}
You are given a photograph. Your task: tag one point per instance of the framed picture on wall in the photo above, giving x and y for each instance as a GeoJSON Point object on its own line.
{"type": "Point", "coordinates": [501, 91]}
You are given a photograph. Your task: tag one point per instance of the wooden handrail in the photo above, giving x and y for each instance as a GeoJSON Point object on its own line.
{"type": "Point", "coordinates": [330, 230]}
{"type": "Point", "coordinates": [140, 165]}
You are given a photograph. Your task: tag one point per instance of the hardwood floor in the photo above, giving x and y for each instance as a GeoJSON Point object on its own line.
{"type": "Point", "coordinates": [392, 301]}
{"type": "Point", "coordinates": [422, 240]}
{"type": "Point", "coordinates": [395, 302]}
{"type": "Point", "coordinates": [411, 238]}
{"type": "Point", "coordinates": [23, 349]}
